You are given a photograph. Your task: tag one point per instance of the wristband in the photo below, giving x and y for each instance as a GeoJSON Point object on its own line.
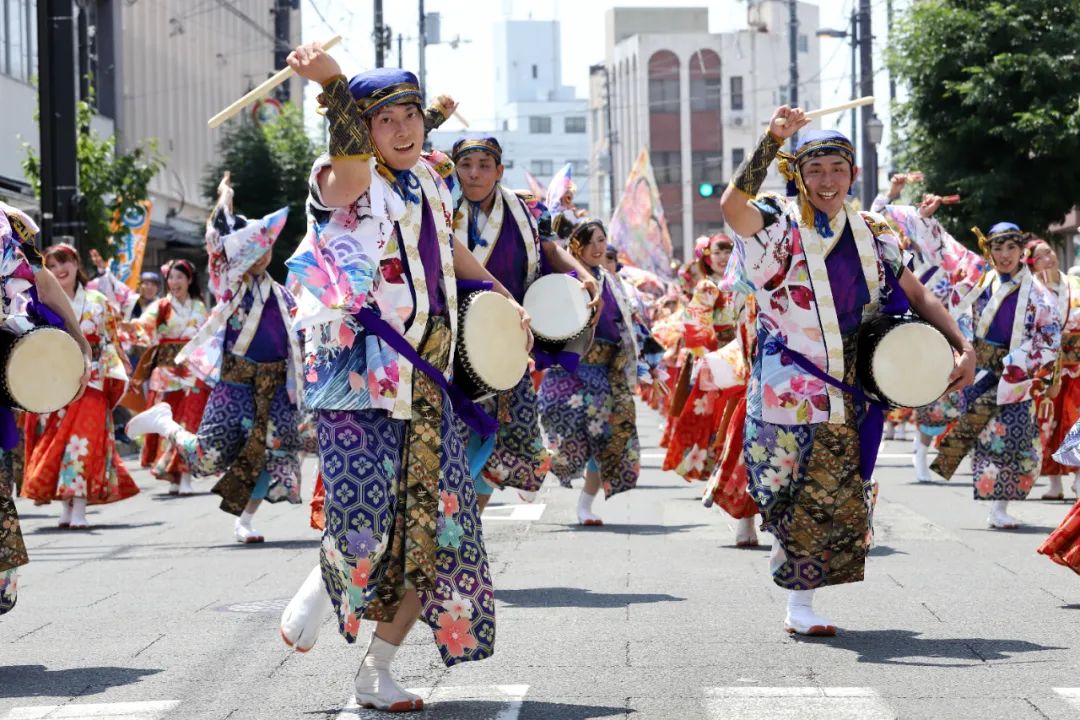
{"type": "Point", "coordinates": [433, 117]}
{"type": "Point", "coordinates": [751, 174]}
{"type": "Point", "coordinates": [349, 134]}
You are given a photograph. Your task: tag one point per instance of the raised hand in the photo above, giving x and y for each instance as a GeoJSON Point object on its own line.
{"type": "Point", "coordinates": [311, 62]}
{"type": "Point", "coordinates": [793, 120]}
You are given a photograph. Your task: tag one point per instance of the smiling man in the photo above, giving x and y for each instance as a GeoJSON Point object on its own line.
{"type": "Point", "coordinates": [500, 228]}
{"type": "Point", "coordinates": [816, 267]}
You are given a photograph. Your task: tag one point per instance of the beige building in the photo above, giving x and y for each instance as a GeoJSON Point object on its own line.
{"type": "Point", "coordinates": [161, 69]}
{"type": "Point", "coordinates": [697, 101]}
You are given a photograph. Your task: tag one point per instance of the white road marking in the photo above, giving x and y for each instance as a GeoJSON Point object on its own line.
{"type": "Point", "coordinates": [797, 703]}
{"type": "Point", "coordinates": [653, 456]}
{"type": "Point", "coordinates": [506, 700]}
{"type": "Point", "coordinates": [104, 711]}
{"type": "Point", "coordinates": [520, 513]}
{"type": "Point", "coordinates": [1069, 695]}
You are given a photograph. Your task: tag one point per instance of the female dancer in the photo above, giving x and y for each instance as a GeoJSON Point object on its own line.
{"type": "Point", "coordinates": [589, 416]}
{"type": "Point", "coordinates": [27, 285]}
{"type": "Point", "coordinates": [379, 266]}
{"type": "Point", "coordinates": [1060, 409]}
{"type": "Point", "coordinates": [71, 453]}
{"type": "Point", "coordinates": [1063, 545]}
{"type": "Point", "coordinates": [708, 325]}
{"type": "Point", "coordinates": [1017, 337]}
{"type": "Point", "coordinates": [164, 328]}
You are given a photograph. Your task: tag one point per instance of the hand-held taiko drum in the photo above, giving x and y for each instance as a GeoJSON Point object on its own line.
{"type": "Point", "coordinates": [903, 361]}
{"type": "Point", "coordinates": [491, 355]}
{"type": "Point", "coordinates": [40, 370]}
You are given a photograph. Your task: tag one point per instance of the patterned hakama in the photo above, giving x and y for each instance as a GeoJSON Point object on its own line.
{"type": "Point", "coordinates": [806, 483]}
{"type": "Point", "coordinates": [1003, 439]}
{"type": "Point", "coordinates": [401, 514]}
{"type": "Point", "coordinates": [519, 459]}
{"type": "Point", "coordinates": [591, 415]}
{"type": "Point", "coordinates": [12, 549]}
{"type": "Point", "coordinates": [249, 428]}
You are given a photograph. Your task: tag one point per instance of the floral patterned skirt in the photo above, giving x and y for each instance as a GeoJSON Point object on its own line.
{"type": "Point", "coordinates": [1066, 413]}
{"type": "Point", "coordinates": [692, 447]}
{"type": "Point", "coordinates": [1063, 545]}
{"type": "Point", "coordinates": [727, 488]}
{"type": "Point", "coordinates": [400, 514]}
{"type": "Point", "coordinates": [519, 459]}
{"type": "Point", "coordinates": [591, 415]}
{"type": "Point", "coordinates": [805, 481]}
{"type": "Point", "coordinates": [1003, 439]}
{"type": "Point", "coordinates": [72, 453]}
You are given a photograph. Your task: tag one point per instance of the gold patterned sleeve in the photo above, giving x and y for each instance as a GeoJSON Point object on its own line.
{"type": "Point", "coordinates": [751, 174]}
{"type": "Point", "coordinates": [349, 134]}
{"type": "Point", "coordinates": [433, 117]}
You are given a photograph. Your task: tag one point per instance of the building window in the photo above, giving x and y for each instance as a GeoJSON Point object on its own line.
{"type": "Point", "coordinates": [664, 94]}
{"type": "Point", "coordinates": [506, 125]}
{"type": "Point", "coordinates": [737, 157]}
{"type": "Point", "coordinates": [534, 70]}
{"type": "Point", "coordinates": [540, 125]}
{"type": "Point", "coordinates": [737, 100]}
{"type": "Point", "coordinates": [667, 167]}
{"type": "Point", "coordinates": [581, 168]}
{"type": "Point", "coordinates": [707, 167]}
{"type": "Point", "coordinates": [804, 43]}
{"type": "Point", "coordinates": [508, 164]}
{"type": "Point", "coordinates": [705, 92]}
{"type": "Point", "coordinates": [574, 124]}
{"type": "Point", "coordinates": [18, 39]}
{"type": "Point", "coordinates": [542, 168]}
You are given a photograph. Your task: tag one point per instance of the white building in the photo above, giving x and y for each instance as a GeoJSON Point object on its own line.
{"type": "Point", "coordinates": [697, 101]}
{"type": "Point", "coordinates": [538, 121]}
{"type": "Point", "coordinates": [160, 71]}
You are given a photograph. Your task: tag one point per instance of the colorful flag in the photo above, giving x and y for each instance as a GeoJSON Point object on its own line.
{"type": "Point", "coordinates": [561, 183]}
{"type": "Point", "coordinates": [535, 187]}
{"type": "Point", "coordinates": [638, 227]}
{"type": "Point", "coordinates": [128, 243]}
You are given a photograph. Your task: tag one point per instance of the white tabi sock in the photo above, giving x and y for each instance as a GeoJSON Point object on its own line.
{"type": "Point", "coordinates": [157, 419]}
{"type": "Point", "coordinates": [801, 618]}
{"type": "Point", "coordinates": [746, 531]}
{"type": "Point", "coordinates": [999, 518]}
{"type": "Point", "coordinates": [78, 512]}
{"type": "Point", "coordinates": [375, 687]}
{"type": "Point", "coordinates": [1055, 488]}
{"type": "Point", "coordinates": [65, 513]}
{"type": "Point", "coordinates": [922, 466]}
{"type": "Point", "coordinates": [245, 519]}
{"type": "Point", "coordinates": [305, 613]}
{"type": "Point", "coordinates": [584, 509]}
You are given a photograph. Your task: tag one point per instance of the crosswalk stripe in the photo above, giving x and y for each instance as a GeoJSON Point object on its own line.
{"type": "Point", "coordinates": [520, 513]}
{"type": "Point", "coordinates": [151, 710]}
{"type": "Point", "coordinates": [1069, 695]}
{"type": "Point", "coordinates": [511, 696]}
{"type": "Point", "coordinates": [797, 703]}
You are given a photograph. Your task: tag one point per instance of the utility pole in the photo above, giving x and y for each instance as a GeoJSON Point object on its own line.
{"type": "Point", "coordinates": [854, 35]}
{"type": "Point", "coordinates": [59, 88]}
{"type": "Point", "coordinates": [423, 49]}
{"type": "Point", "coordinates": [377, 34]}
{"type": "Point", "coordinates": [610, 137]}
{"type": "Point", "coordinates": [892, 90]}
{"type": "Point", "coordinates": [866, 69]}
{"type": "Point", "coordinates": [399, 51]}
{"type": "Point", "coordinates": [793, 52]}
{"type": "Point", "coordinates": [282, 45]}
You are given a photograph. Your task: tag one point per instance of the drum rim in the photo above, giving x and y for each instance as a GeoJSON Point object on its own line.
{"type": "Point", "coordinates": [7, 388]}
{"type": "Point", "coordinates": [561, 338]}
{"type": "Point", "coordinates": [463, 350]}
{"type": "Point", "coordinates": [870, 382]}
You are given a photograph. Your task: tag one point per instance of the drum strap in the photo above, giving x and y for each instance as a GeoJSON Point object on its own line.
{"type": "Point", "coordinates": [873, 421]}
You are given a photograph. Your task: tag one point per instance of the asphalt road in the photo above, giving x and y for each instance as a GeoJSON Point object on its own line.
{"type": "Point", "coordinates": [157, 613]}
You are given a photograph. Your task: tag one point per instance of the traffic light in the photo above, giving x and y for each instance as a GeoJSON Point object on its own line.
{"type": "Point", "coordinates": [708, 190]}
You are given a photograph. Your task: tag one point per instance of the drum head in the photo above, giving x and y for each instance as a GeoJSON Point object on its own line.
{"type": "Point", "coordinates": [912, 364]}
{"type": "Point", "coordinates": [558, 307]}
{"type": "Point", "coordinates": [495, 341]}
{"type": "Point", "coordinates": [44, 369]}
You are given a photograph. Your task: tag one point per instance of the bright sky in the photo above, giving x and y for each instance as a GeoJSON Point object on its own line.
{"type": "Point", "coordinates": [464, 72]}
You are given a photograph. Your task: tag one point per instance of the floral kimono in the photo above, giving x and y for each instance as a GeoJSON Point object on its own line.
{"type": "Point", "coordinates": [508, 245]}
{"type": "Point", "coordinates": [589, 415]}
{"type": "Point", "coordinates": [1058, 415]}
{"type": "Point", "coordinates": [72, 452]}
{"type": "Point", "coordinates": [19, 260]}
{"type": "Point", "coordinates": [1063, 545]}
{"type": "Point", "coordinates": [1017, 339]}
{"type": "Point", "coordinates": [709, 324]}
{"type": "Point", "coordinates": [809, 467]}
{"type": "Point", "coordinates": [164, 328]}
{"type": "Point", "coordinates": [379, 309]}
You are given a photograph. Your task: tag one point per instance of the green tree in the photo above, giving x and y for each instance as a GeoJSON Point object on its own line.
{"type": "Point", "coordinates": [992, 109]}
{"type": "Point", "coordinates": [110, 182]}
{"type": "Point", "coordinates": [270, 164]}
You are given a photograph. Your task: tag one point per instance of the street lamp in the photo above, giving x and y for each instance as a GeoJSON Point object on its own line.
{"type": "Point", "coordinates": [874, 129]}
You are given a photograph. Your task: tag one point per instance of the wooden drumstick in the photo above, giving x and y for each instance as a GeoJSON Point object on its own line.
{"type": "Point", "coordinates": [262, 90]}
{"type": "Point", "coordinates": [814, 114]}
{"type": "Point", "coordinates": [950, 199]}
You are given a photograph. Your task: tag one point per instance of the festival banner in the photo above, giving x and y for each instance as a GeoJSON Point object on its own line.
{"type": "Point", "coordinates": [128, 243]}
{"type": "Point", "coordinates": [638, 227]}
{"type": "Point", "coordinates": [535, 187]}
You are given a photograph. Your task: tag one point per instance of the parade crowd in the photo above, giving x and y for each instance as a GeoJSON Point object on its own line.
{"type": "Point", "coordinates": [755, 354]}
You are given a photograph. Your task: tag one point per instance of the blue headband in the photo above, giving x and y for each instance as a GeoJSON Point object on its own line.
{"type": "Point", "coordinates": [379, 87]}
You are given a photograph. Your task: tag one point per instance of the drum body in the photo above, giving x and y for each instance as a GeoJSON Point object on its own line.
{"type": "Point", "coordinates": [558, 307]}
{"type": "Point", "coordinates": [903, 361]}
{"type": "Point", "coordinates": [491, 354]}
{"type": "Point", "coordinates": [39, 370]}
